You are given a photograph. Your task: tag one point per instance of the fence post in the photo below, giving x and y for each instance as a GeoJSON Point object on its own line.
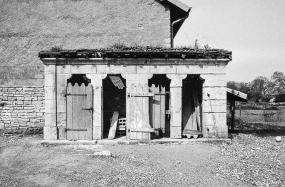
{"type": "Point", "coordinates": [232, 107]}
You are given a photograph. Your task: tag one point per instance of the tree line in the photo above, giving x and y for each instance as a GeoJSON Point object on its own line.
{"type": "Point", "coordinates": [262, 89]}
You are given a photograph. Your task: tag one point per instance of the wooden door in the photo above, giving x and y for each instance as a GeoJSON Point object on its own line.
{"type": "Point", "coordinates": [157, 108]}
{"type": "Point", "coordinates": [79, 112]}
{"type": "Point", "coordinates": [191, 118]}
{"type": "Point", "coordinates": [138, 114]}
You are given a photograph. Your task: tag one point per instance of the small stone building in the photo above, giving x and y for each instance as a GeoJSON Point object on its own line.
{"type": "Point", "coordinates": [166, 92]}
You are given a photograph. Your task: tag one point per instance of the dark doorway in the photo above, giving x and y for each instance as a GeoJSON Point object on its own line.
{"type": "Point", "coordinates": [114, 100]}
{"type": "Point", "coordinates": [191, 106]}
{"type": "Point", "coordinates": [159, 114]}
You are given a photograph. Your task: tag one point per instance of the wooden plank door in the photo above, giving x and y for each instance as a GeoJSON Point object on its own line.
{"type": "Point", "coordinates": [157, 108]}
{"type": "Point", "coordinates": [139, 126]}
{"type": "Point", "coordinates": [191, 113]}
{"type": "Point", "coordinates": [79, 112]}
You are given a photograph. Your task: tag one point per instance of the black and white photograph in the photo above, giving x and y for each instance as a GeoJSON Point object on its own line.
{"type": "Point", "coordinates": [166, 93]}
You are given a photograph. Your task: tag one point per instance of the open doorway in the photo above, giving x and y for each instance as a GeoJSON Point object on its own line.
{"type": "Point", "coordinates": [159, 113]}
{"type": "Point", "coordinates": [191, 106]}
{"type": "Point", "coordinates": [114, 105]}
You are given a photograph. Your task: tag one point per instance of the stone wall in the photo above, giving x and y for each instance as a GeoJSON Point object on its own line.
{"type": "Point", "coordinates": [21, 109]}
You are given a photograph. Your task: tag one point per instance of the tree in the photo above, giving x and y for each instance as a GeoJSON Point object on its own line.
{"type": "Point", "coordinates": [277, 83]}
{"type": "Point", "coordinates": [232, 85]}
{"type": "Point", "coordinates": [260, 85]}
{"type": "Point", "coordinates": [244, 87]}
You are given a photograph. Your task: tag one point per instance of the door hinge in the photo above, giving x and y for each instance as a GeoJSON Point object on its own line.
{"type": "Point", "coordinates": [88, 108]}
{"type": "Point", "coordinates": [75, 129]}
{"type": "Point", "coordinates": [69, 94]}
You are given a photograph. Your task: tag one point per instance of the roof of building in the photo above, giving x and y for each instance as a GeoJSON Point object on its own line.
{"type": "Point", "coordinates": [179, 4]}
{"type": "Point", "coordinates": [139, 52]}
{"type": "Point", "coordinates": [234, 95]}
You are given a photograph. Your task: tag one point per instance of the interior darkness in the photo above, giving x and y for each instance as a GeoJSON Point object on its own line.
{"type": "Point", "coordinates": [79, 79]}
{"type": "Point", "coordinates": [192, 83]}
{"type": "Point", "coordinates": [114, 99]}
{"type": "Point", "coordinates": [160, 80]}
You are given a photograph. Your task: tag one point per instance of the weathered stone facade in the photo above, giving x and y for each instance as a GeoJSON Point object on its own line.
{"type": "Point", "coordinates": [30, 26]}
{"type": "Point", "coordinates": [21, 109]}
{"type": "Point", "coordinates": [138, 72]}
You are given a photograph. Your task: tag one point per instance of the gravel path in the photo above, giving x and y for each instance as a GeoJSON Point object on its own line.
{"type": "Point", "coordinates": [24, 162]}
{"type": "Point", "coordinates": [256, 160]}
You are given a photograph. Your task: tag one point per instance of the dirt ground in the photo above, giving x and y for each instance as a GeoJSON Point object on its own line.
{"type": "Point", "coordinates": [25, 162]}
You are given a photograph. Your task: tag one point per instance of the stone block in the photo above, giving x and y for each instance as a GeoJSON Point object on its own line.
{"type": "Point", "coordinates": [27, 102]}
{"type": "Point", "coordinates": [215, 93]}
{"type": "Point", "coordinates": [215, 119]}
{"type": "Point", "coordinates": [62, 132]}
{"type": "Point", "coordinates": [50, 93]}
{"type": "Point", "coordinates": [50, 106]}
{"type": "Point", "coordinates": [50, 133]}
{"type": "Point", "coordinates": [175, 132]}
{"type": "Point", "coordinates": [12, 98]}
{"type": "Point", "coordinates": [61, 104]}
{"type": "Point", "coordinates": [61, 119]}
{"type": "Point", "coordinates": [40, 98]}
{"type": "Point", "coordinates": [97, 133]}
{"type": "Point", "coordinates": [216, 106]}
{"type": "Point", "coordinates": [50, 119]}
{"type": "Point", "coordinates": [164, 69]}
{"type": "Point", "coordinates": [214, 80]}
{"type": "Point", "coordinates": [65, 69]}
{"type": "Point", "coordinates": [28, 98]}
{"type": "Point", "coordinates": [82, 69]}
{"type": "Point", "coordinates": [49, 69]}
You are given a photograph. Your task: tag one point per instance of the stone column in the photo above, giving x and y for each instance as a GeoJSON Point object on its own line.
{"type": "Point", "coordinates": [135, 79]}
{"type": "Point", "coordinates": [62, 76]}
{"type": "Point", "coordinates": [214, 106]}
{"type": "Point", "coordinates": [50, 128]}
{"type": "Point", "coordinates": [97, 82]}
{"type": "Point", "coordinates": [176, 104]}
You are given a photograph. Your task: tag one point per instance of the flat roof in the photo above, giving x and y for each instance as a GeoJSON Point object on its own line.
{"type": "Point", "coordinates": [139, 52]}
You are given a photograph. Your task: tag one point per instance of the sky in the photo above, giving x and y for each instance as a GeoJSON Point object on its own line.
{"type": "Point", "coordinates": [254, 30]}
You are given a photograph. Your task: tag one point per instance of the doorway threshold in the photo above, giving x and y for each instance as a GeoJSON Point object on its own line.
{"type": "Point", "coordinates": [124, 141]}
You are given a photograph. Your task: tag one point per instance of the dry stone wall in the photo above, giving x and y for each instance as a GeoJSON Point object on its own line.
{"type": "Point", "coordinates": [21, 109]}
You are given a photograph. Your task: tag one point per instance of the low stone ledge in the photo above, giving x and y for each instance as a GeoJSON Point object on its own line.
{"type": "Point", "coordinates": [136, 142]}
{"type": "Point", "coordinates": [68, 142]}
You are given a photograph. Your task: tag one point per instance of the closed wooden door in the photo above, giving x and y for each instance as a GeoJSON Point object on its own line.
{"type": "Point", "coordinates": [79, 112]}
{"type": "Point", "coordinates": [138, 98]}
{"type": "Point", "coordinates": [157, 108]}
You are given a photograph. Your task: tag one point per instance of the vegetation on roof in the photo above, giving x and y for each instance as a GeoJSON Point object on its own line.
{"type": "Point", "coordinates": [122, 50]}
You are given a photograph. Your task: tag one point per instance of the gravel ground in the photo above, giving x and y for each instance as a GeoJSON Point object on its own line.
{"type": "Point", "coordinates": [255, 159]}
{"type": "Point", "coordinates": [24, 162]}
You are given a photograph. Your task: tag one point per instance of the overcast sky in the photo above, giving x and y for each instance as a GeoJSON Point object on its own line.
{"type": "Point", "coordinates": [254, 30]}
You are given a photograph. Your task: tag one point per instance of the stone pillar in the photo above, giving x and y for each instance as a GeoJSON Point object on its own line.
{"type": "Point", "coordinates": [61, 77]}
{"type": "Point", "coordinates": [97, 82]}
{"type": "Point", "coordinates": [50, 128]}
{"type": "Point", "coordinates": [135, 79]}
{"type": "Point", "coordinates": [214, 106]}
{"type": "Point", "coordinates": [176, 104]}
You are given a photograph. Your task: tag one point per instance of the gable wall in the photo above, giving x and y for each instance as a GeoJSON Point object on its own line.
{"type": "Point", "coordinates": [27, 27]}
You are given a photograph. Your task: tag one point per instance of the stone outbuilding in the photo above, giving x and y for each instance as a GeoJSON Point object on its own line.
{"type": "Point", "coordinates": [154, 92]}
